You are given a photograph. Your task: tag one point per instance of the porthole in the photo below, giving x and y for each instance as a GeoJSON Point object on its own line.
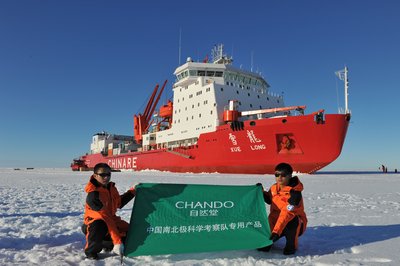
{"type": "Point", "coordinates": [252, 123]}
{"type": "Point", "coordinates": [284, 121]}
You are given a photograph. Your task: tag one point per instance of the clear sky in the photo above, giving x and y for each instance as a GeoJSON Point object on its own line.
{"type": "Point", "coordinates": [69, 69]}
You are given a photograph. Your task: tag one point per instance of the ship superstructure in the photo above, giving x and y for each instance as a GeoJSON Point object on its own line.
{"type": "Point", "coordinates": [202, 92]}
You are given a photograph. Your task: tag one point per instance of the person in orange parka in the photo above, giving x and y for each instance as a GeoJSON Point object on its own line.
{"type": "Point", "coordinates": [287, 217]}
{"type": "Point", "coordinates": [102, 227]}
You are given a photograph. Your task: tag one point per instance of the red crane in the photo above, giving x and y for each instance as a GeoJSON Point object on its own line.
{"type": "Point", "coordinates": [141, 122]}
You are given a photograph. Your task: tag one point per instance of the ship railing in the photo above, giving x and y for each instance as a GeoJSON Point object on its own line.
{"type": "Point", "coordinates": [182, 151]}
{"type": "Point", "coordinates": [299, 109]}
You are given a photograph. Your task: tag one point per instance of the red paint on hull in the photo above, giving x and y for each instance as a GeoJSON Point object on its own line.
{"type": "Point", "coordinates": [298, 140]}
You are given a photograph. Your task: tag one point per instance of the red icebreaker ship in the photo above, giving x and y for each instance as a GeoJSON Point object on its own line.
{"type": "Point", "coordinates": [222, 119]}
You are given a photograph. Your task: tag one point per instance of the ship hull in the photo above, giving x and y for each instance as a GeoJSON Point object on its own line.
{"type": "Point", "coordinates": [306, 142]}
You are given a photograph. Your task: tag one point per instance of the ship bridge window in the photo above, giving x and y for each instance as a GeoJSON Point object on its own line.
{"type": "Point", "coordinates": [201, 73]}
{"type": "Point", "coordinates": [182, 75]}
{"type": "Point", "coordinates": [210, 73]}
{"type": "Point", "coordinates": [219, 73]}
{"type": "Point", "coordinates": [192, 73]}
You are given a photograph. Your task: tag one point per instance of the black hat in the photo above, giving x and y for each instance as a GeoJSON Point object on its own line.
{"type": "Point", "coordinates": [284, 168]}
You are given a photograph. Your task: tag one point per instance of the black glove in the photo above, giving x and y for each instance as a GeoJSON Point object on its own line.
{"type": "Point", "coordinates": [274, 237]}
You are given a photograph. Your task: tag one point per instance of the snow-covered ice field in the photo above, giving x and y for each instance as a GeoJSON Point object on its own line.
{"type": "Point", "coordinates": [354, 219]}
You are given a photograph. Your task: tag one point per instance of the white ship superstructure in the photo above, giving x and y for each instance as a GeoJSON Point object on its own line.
{"type": "Point", "coordinates": [201, 93]}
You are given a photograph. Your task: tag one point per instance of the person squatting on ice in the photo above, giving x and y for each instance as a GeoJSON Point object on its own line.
{"type": "Point", "coordinates": [287, 217]}
{"type": "Point", "coordinates": [102, 227]}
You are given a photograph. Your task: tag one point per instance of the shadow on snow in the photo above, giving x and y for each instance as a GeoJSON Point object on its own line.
{"type": "Point", "coordinates": [317, 241]}
{"type": "Point", "coordinates": [42, 214]}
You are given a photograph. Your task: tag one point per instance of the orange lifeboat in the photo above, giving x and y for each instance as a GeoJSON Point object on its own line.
{"type": "Point", "coordinates": [166, 110]}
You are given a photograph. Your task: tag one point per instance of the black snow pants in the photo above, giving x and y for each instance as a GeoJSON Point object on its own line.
{"type": "Point", "coordinates": [97, 237]}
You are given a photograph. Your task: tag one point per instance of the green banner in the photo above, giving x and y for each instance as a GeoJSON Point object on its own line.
{"type": "Point", "coordinates": [179, 218]}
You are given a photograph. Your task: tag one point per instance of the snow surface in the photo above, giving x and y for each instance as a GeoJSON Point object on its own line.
{"type": "Point", "coordinates": [354, 219]}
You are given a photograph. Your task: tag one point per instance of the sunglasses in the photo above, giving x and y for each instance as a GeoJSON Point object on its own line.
{"type": "Point", "coordinates": [278, 174]}
{"type": "Point", "coordinates": [103, 175]}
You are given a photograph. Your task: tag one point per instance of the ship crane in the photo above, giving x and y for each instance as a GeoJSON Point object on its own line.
{"type": "Point", "coordinates": [142, 122]}
{"type": "Point", "coordinates": [232, 114]}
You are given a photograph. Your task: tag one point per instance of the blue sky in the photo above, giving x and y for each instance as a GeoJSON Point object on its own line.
{"type": "Point", "coordinates": [69, 69]}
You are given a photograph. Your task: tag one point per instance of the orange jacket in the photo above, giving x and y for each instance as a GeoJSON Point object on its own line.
{"type": "Point", "coordinates": [102, 203]}
{"type": "Point", "coordinates": [286, 203]}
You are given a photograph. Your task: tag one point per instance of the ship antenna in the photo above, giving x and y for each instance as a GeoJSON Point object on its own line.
{"type": "Point", "coordinates": [252, 55]}
{"type": "Point", "coordinates": [180, 48]}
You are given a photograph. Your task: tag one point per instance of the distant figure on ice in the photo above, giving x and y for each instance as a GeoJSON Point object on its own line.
{"type": "Point", "coordinates": [287, 217]}
{"type": "Point", "coordinates": [395, 170]}
{"type": "Point", "coordinates": [103, 229]}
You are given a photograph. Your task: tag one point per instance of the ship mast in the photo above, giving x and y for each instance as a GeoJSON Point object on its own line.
{"type": "Point", "coordinates": [343, 75]}
{"type": "Point", "coordinates": [218, 56]}
{"type": "Point", "coordinates": [346, 90]}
